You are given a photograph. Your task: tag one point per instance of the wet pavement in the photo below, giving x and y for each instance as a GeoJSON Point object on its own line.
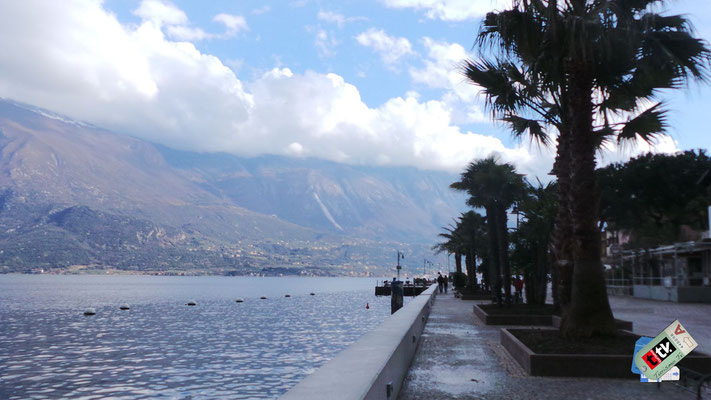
{"type": "Point", "coordinates": [461, 358]}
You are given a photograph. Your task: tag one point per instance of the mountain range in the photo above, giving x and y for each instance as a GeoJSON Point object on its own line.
{"type": "Point", "coordinates": [75, 197]}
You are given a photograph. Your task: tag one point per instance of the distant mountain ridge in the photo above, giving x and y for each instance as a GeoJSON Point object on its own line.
{"type": "Point", "coordinates": [104, 200]}
{"type": "Point", "coordinates": [381, 203]}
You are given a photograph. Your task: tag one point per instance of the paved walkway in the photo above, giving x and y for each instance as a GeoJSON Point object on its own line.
{"type": "Point", "coordinates": [461, 358]}
{"type": "Point", "coordinates": [651, 316]}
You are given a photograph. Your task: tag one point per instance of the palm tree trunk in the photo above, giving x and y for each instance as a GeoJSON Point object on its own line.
{"type": "Point", "coordinates": [503, 244]}
{"type": "Point", "coordinates": [486, 281]}
{"type": "Point", "coordinates": [458, 261]}
{"type": "Point", "coordinates": [471, 269]}
{"type": "Point", "coordinates": [563, 228]}
{"type": "Point", "coordinates": [494, 265]}
{"type": "Point", "coordinates": [529, 285]}
{"type": "Point", "coordinates": [589, 312]}
{"type": "Point", "coordinates": [541, 274]}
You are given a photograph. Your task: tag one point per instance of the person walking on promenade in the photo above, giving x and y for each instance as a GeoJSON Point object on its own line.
{"type": "Point", "coordinates": [446, 284]}
{"type": "Point", "coordinates": [440, 281]}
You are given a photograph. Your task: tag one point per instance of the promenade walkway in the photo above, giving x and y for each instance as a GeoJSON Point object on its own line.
{"type": "Point", "coordinates": [461, 358]}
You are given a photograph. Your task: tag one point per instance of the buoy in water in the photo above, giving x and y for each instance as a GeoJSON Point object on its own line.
{"type": "Point", "coordinates": [90, 311]}
{"type": "Point", "coordinates": [124, 307]}
{"type": "Point", "coordinates": [287, 295]}
{"type": "Point", "coordinates": [192, 303]}
{"type": "Point", "coordinates": [313, 294]}
{"type": "Point", "coordinates": [367, 306]}
{"type": "Point", "coordinates": [263, 297]}
{"type": "Point", "coordinates": [240, 300]}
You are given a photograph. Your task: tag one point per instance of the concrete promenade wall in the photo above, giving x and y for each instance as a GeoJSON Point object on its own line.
{"type": "Point", "coordinates": [655, 292]}
{"type": "Point", "coordinates": [374, 366]}
{"type": "Point", "coordinates": [683, 294]}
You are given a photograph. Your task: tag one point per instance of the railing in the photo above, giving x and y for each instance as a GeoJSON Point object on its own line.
{"type": "Point", "coordinates": [618, 282]}
{"type": "Point", "coordinates": [619, 287]}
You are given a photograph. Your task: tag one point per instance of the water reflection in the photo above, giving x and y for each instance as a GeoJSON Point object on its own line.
{"type": "Point", "coordinates": [161, 348]}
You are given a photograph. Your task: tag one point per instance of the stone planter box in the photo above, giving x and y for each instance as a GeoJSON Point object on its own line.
{"type": "Point", "coordinates": [532, 319]}
{"type": "Point", "coordinates": [512, 319]}
{"type": "Point", "coordinates": [572, 365]}
{"type": "Point", "coordinates": [619, 323]}
{"type": "Point", "coordinates": [585, 365]}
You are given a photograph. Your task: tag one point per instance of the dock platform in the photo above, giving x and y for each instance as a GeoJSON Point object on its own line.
{"type": "Point", "coordinates": [408, 290]}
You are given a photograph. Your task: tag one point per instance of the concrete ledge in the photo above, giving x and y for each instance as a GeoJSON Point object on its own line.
{"type": "Point", "coordinates": [512, 319]}
{"type": "Point", "coordinates": [586, 365]}
{"type": "Point", "coordinates": [374, 366]}
{"type": "Point", "coordinates": [532, 319]}
{"type": "Point", "coordinates": [621, 324]}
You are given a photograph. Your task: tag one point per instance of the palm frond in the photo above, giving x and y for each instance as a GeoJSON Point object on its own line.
{"type": "Point", "coordinates": [521, 126]}
{"type": "Point", "coordinates": [647, 126]}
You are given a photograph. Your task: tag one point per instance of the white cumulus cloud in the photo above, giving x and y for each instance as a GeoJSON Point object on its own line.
{"type": "Point", "coordinates": [77, 59]}
{"type": "Point", "coordinates": [336, 18]}
{"type": "Point", "coordinates": [233, 23]}
{"type": "Point", "coordinates": [176, 24]}
{"type": "Point", "coordinates": [451, 10]}
{"type": "Point", "coordinates": [442, 70]}
{"type": "Point", "coordinates": [325, 43]}
{"type": "Point", "coordinates": [390, 48]}
{"type": "Point", "coordinates": [161, 12]}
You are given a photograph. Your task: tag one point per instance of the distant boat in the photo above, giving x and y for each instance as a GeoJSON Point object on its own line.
{"type": "Point", "coordinates": [90, 311]}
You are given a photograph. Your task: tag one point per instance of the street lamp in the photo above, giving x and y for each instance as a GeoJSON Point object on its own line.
{"type": "Point", "coordinates": [399, 256]}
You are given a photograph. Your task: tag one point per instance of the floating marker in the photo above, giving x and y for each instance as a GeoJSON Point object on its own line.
{"type": "Point", "coordinates": [192, 303]}
{"type": "Point", "coordinates": [90, 311]}
{"type": "Point", "coordinates": [124, 306]}
{"type": "Point", "coordinates": [367, 306]}
{"type": "Point", "coordinates": [240, 300]}
{"type": "Point", "coordinates": [287, 295]}
{"type": "Point", "coordinates": [263, 297]}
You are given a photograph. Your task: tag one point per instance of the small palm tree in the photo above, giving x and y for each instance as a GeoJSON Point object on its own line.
{"type": "Point", "coordinates": [473, 227]}
{"type": "Point", "coordinates": [494, 186]}
{"type": "Point", "coordinates": [533, 239]}
{"type": "Point", "coordinates": [454, 244]}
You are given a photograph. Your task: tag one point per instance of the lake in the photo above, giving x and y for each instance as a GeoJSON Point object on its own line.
{"type": "Point", "coordinates": [162, 348]}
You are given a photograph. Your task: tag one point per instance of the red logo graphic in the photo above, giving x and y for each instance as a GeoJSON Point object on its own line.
{"type": "Point", "coordinates": [678, 330]}
{"type": "Point", "coordinates": [651, 359]}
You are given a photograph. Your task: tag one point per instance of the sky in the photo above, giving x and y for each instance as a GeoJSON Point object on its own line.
{"type": "Point", "coordinates": [362, 82]}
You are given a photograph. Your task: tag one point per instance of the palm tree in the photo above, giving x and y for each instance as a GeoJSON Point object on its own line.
{"type": "Point", "coordinates": [533, 238]}
{"type": "Point", "coordinates": [494, 186]}
{"type": "Point", "coordinates": [474, 233]}
{"type": "Point", "coordinates": [578, 66]}
{"type": "Point", "coordinates": [454, 244]}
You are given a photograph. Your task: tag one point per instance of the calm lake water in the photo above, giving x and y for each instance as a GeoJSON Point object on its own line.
{"type": "Point", "coordinates": [162, 348]}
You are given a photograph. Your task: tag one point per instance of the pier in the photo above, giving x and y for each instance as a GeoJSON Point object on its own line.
{"type": "Point", "coordinates": [382, 289]}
